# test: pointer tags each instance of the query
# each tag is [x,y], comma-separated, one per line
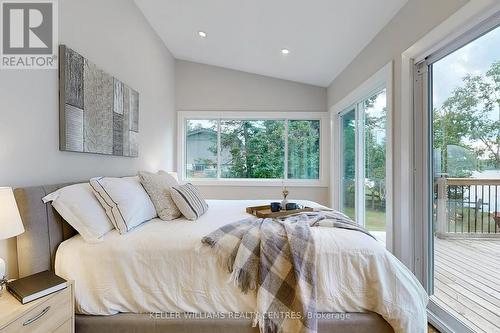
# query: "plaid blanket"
[277,258]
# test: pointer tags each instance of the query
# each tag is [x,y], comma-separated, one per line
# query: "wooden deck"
[467,281]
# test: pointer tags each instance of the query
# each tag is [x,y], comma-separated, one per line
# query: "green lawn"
[468,220]
[375,220]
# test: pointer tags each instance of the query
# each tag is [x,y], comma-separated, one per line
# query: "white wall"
[413,21]
[206,88]
[114,35]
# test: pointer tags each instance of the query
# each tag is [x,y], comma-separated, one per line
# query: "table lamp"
[10,223]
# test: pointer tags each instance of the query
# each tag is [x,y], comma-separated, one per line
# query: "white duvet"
[159,267]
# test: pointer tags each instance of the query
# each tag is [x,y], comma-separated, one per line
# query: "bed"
[172,276]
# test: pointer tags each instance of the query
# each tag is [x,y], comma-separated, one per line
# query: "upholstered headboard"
[44,228]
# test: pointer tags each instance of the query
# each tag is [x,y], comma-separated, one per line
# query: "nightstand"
[52,313]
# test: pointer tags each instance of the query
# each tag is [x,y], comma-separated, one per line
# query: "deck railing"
[467,206]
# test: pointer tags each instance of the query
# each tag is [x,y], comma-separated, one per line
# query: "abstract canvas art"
[97,112]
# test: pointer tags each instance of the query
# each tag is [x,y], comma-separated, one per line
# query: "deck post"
[442,207]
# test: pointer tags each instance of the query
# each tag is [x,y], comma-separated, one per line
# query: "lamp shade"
[10,221]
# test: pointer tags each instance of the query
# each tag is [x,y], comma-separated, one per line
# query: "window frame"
[322,117]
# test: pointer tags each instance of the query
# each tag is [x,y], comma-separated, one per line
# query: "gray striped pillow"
[189,201]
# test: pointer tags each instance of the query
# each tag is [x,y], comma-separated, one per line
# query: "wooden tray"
[265,211]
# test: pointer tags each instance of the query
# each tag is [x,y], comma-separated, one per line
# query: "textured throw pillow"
[189,201]
[158,187]
[79,207]
[125,201]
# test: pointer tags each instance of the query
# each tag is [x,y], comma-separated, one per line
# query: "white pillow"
[171,173]
[78,205]
[125,201]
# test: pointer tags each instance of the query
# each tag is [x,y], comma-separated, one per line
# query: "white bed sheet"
[159,267]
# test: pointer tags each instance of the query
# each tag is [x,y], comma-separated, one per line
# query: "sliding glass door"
[458,98]
[363,130]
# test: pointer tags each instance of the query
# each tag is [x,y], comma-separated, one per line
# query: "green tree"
[375,152]
[470,115]
[255,148]
[303,149]
[349,160]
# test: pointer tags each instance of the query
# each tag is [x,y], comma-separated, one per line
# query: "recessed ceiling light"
[285,51]
[202,34]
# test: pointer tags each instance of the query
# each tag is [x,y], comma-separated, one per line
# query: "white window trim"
[323,117]
[381,79]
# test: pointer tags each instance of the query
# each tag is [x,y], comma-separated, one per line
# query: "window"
[236,148]
[348,133]
[363,136]
[361,185]
[252,148]
[303,149]
[375,118]
[201,148]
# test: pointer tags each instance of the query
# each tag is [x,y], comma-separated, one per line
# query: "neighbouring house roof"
[201,131]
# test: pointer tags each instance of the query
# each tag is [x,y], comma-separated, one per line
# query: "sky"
[474,58]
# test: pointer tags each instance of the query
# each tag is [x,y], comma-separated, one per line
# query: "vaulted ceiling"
[322,36]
